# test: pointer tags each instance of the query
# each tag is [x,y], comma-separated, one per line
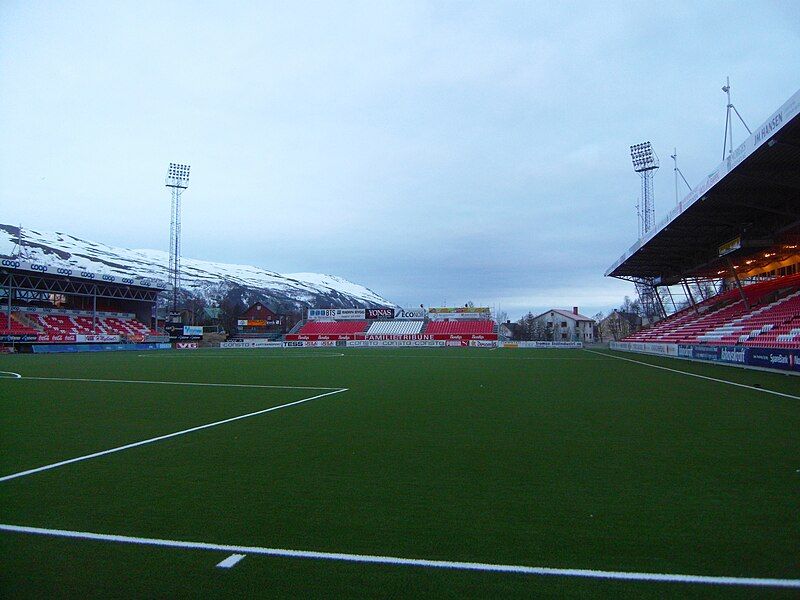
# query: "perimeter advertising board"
[339,314]
[379,313]
[252,344]
[769,358]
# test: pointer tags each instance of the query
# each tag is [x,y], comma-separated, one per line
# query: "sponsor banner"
[69,348]
[407,336]
[26,337]
[395,344]
[6,350]
[339,314]
[410,313]
[538,344]
[731,246]
[733,354]
[482,310]
[647,348]
[459,316]
[193,330]
[706,353]
[101,338]
[465,336]
[482,344]
[43,337]
[76,272]
[252,344]
[788,360]
[256,322]
[379,313]
[770,358]
[186,346]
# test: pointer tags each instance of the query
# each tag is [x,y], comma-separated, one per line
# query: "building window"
[563,323]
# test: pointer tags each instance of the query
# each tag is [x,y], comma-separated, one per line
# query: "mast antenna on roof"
[729,120]
[674,157]
[19,251]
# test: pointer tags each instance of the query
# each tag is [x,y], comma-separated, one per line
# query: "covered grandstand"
[46,305]
[457,325]
[739,230]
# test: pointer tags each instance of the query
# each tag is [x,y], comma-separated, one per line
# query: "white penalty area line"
[412,562]
[147,382]
[741,385]
[166,436]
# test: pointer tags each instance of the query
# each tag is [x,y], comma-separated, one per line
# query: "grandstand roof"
[22,266]
[752,199]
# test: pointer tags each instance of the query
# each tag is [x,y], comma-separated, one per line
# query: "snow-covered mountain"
[210,281]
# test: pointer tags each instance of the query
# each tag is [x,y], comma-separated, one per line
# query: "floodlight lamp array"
[643,157]
[178,171]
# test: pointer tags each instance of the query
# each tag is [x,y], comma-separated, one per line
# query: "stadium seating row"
[727,320]
[66,324]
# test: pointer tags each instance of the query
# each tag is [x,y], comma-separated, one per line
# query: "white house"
[569,326]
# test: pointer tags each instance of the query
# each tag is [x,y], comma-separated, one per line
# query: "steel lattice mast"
[645,162]
[177,180]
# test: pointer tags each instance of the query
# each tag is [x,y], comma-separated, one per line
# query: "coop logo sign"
[66,272]
[87,275]
[40,268]
[14,264]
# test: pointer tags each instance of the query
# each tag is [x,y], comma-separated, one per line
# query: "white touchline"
[413,562]
[165,437]
[749,387]
[13,375]
[230,561]
[196,383]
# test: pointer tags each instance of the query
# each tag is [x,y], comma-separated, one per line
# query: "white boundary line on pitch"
[248,356]
[164,437]
[412,562]
[144,381]
[743,385]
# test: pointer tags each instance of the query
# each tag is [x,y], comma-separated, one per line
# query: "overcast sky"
[434,152]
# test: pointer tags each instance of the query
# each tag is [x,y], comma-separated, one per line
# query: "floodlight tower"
[177,180]
[645,162]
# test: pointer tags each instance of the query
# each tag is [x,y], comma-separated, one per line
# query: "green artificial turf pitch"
[545,458]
